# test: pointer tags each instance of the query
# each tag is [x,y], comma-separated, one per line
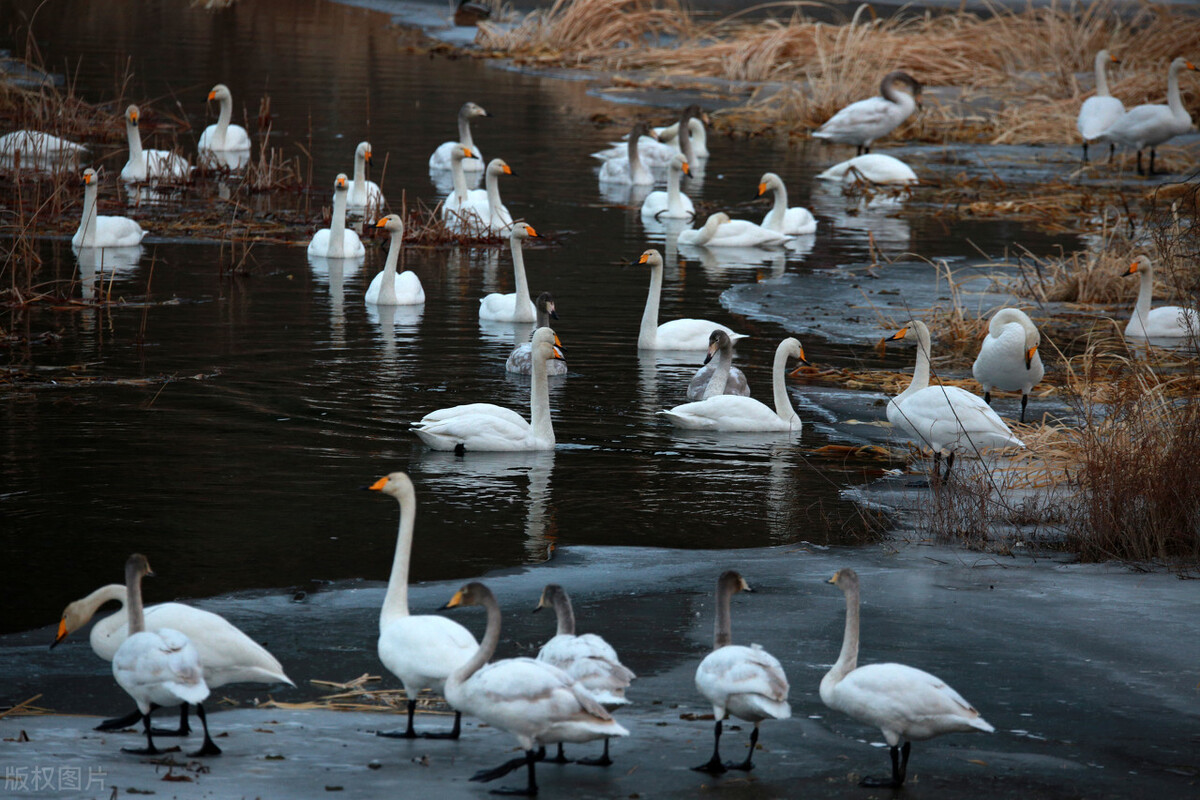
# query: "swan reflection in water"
[105,264]
[862,218]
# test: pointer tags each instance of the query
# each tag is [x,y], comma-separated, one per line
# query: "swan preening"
[671,204]
[1151,124]
[223,136]
[587,658]
[422,650]
[944,418]
[103,231]
[150,165]
[488,427]
[720,376]
[797,221]
[733,413]
[678,334]
[520,360]
[1100,110]
[1164,322]
[337,241]
[905,703]
[863,122]
[873,168]
[536,702]
[441,158]
[389,288]
[1008,359]
[747,682]
[364,197]
[721,231]
[515,306]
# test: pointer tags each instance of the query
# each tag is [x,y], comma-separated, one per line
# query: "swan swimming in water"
[721,231]
[629,170]
[103,231]
[863,122]
[520,360]
[363,196]
[678,334]
[515,306]
[795,221]
[873,167]
[150,165]
[720,376]
[1164,322]
[671,204]
[337,241]
[224,136]
[441,158]
[389,288]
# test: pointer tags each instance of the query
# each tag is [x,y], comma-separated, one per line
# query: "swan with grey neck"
[629,170]
[720,376]
[223,136]
[389,288]
[678,334]
[863,122]
[520,360]
[441,158]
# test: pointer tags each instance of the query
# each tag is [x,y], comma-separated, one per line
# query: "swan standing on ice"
[720,376]
[1150,124]
[442,155]
[514,307]
[678,334]
[224,136]
[863,122]
[363,197]
[671,204]
[520,360]
[150,165]
[587,658]
[388,288]
[747,682]
[1100,110]
[944,418]
[1164,322]
[629,170]
[1008,359]
[422,650]
[337,241]
[464,210]
[874,167]
[797,221]
[721,231]
[905,703]
[103,231]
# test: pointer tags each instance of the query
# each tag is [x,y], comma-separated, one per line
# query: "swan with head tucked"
[671,204]
[103,231]
[157,668]
[37,150]
[363,196]
[520,360]
[944,418]
[465,210]
[389,288]
[720,376]
[797,221]
[487,427]
[746,682]
[224,136]
[1008,359]
[515,306]
[150,165]
[863,122]
[678,334]
[1100,110]
[441,158]
[337,241]
[535,701]
[721,231]
[629,169]
[1151,124]
[585,657]
[1164,322]
[421,650]
[733,413]
[905,703]
[874,168]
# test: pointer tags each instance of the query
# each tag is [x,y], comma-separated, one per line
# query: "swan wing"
[729,413]
[483,432]
[947,417]
[690,334]
[1001,362]
[736,383]
[422,651]
[1097,114]
[905,702]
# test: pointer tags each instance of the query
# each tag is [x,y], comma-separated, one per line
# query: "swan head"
[131,115]
[546,345]
[651,257]
[397,484]
[899,76]
[473,594]
[471,110]
[918,330]
[792,347]
[1104,55]
[694,111]
[220,92]
[717,340]
[1141,265]
[732,582]
[522,231]
[680,164]
[550,594]
[845,579]
[769,182]
[497,166]
[137,566]
[392,223]
[545,302]
[341,183]
[642,128]
[1181,63]
[363,151]
[1007,316]
[90,176]
[460,152]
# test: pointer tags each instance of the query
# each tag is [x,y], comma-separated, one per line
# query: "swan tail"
[980,724]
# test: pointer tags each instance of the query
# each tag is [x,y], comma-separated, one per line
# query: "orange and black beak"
[1131,270]
[378,485]
[687,170]
[762,189]
[897,336]
[531,232]
[62,633]
[212,95]
[643,258]
[803,361]
[1029,354]
[455,601]
[508,170]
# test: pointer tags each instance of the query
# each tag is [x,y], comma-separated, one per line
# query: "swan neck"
[674,198]
[539,399]
[521,282]
[565,615]
[921,370]
[685,139]
[781,202]
[395,603]
[1173,91]
[460,180]
[492,181]
[223,119]
[1101,74]
[783,405]
[720,378]
[87,224]
[848,658]
[360,173]
[88,606]
[135,140]
[1145,294]
[464,130]
[387,289]
[722,628]
[635,159]
[487,645]
[648,336]
[337,226]
[133,603]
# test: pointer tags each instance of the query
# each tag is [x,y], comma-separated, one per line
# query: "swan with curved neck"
[487,427]
[441,158]
[745,682]
[720,376]
[797,221]
[905,703]
[671,204]
[421,650]
[1151,124]
[721,231]
[515,306]
[363,196]
[863,122]
[389,288]
[337,241]
[678,334]
[520,360]
[629,170]
[499,221]
[1101,110]
[944,418]
[103,231]
[146,164]
[1164,322]
[1008,359]
[696,132]
[224,136]
[733,413]
[873,168]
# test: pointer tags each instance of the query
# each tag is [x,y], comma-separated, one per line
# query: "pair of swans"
[873,168]
[1101,110]
[337,241]
[147,164]
[671,204]
[364,197]
[863,122]
[441,159]
[678,334]
[96,230]
[944,418]
[1164,322]
[488,427]
[476,211]
[733,413]
[1008,359]
[1151,124]
[389,288]
[224,136]
[520,360]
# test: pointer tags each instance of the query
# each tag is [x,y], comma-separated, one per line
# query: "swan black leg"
[937,464]
[530,789]
[209,748]
[949,465]
[184,728]
[747,765]
[714,765]
[898,771]
[454,732]
[602,761]
[408,733]
[561,758]
[1112,151]
[1024,402]
[1085,158]
[987,397]
[1151,172]
[118,723]
[1139,166]
[149,749]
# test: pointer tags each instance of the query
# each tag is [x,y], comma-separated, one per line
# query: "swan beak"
[531,232]
[62,633]
[87,180]
[553,315]
[341,183]
[367,156]
[712,351]
[1113,59]
[762,189]
[455,601]
[643,258]
[745,587]
[508,170]
[1190,65]
[897,336]
[558,356]
[687,170]
[133,117]
[833,580]
[212,95]
[382,224]
[1132,269]
[467,153]
[1029,354]
[557,343]
[378,485]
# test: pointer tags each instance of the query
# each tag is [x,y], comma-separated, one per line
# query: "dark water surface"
[244,473]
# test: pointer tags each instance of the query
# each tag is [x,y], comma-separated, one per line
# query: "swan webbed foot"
[397,734]
[143,751]
[209,748]
[746,765]
[485,775]
[120,723]
[530,789]
[899,770]
[879,783]
[602,761]
[441,735]
[184,728]
[712,767]
[560,758]
[459,449]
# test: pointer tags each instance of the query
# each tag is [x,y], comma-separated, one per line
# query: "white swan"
[103,231]
[696,131]
[464,210]
[536,702]
[388,288]
[905,703]
[27,149]
[629,170]
[1008,359]
[157,668]
[671,204]
[224,136]
[1151,124]
[516,306]
[658,146]
[797,221]
[499,221]
[1164,322]
[585,657]
[863,122]
[747,682]
[944,418]
[720,376]
[488,427]
[520,360]
[721,231]
[874,167]
[364,196]
[678,334]
[337,241]
[733,413]
[423,650]
[441,158]
[150,165]
[1100,110]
